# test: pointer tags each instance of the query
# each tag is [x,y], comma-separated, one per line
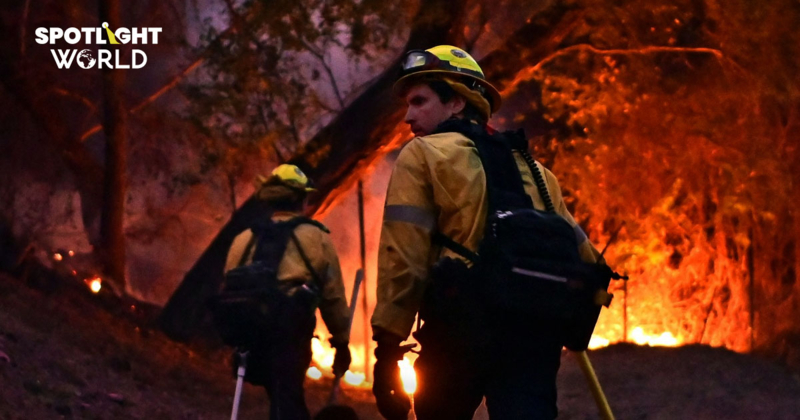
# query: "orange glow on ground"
[314,373]
[322,362]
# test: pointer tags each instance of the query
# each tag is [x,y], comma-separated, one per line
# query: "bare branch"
[293,127]
[84,100]
[164,89]
[527,73]
[327,68]
[482,21]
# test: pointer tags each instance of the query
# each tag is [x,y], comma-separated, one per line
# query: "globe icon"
[85,59]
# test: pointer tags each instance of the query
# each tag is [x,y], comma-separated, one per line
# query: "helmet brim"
[404,82]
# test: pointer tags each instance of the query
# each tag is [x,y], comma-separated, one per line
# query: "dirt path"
[63,356]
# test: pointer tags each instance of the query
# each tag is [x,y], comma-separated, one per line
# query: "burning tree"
[633,108]
[672,122]
[686,138]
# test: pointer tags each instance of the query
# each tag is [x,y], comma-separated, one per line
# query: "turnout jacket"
[319,249]
[438,184]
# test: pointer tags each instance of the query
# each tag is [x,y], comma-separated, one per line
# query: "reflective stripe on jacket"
[438,183]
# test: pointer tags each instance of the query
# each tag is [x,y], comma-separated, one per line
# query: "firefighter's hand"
[387,386]
[342,359]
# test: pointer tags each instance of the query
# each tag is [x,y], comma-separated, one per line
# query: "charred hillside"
[64,356]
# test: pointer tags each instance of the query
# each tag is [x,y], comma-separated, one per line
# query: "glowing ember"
[314,373]
[354,379]
[408,376]
[94,283]
[666,339]
[58,257]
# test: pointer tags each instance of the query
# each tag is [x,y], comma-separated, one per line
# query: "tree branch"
[483,18]
[170,85]
[68,93]
[150,99]
[527,73]
[328,70]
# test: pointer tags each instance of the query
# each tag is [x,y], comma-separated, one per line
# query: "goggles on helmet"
[421,60]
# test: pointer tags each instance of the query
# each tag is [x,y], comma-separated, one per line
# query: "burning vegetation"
[673,127]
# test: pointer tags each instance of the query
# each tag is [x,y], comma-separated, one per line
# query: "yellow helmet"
[289,175]
[447,60]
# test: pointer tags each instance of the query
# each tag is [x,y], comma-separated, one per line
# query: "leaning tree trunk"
[356,134]
[354,128]
[114,124]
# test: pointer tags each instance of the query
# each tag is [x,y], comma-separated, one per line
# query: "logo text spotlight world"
[104,58]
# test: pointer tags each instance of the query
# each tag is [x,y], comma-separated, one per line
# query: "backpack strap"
[272,238]
[503,180]
[504,185]
[306,260]
[247,249]
[294,223]
[538,179]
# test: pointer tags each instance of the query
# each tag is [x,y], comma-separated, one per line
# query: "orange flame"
[666,339]
[408,375]
[355,379]
[639,337]
[322,360]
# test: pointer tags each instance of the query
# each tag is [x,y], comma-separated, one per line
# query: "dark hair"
[281,197]
[446,94]
[290,206]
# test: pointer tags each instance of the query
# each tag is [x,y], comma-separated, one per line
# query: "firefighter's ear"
[457,104]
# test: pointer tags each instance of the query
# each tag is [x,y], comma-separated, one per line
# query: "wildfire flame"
[666,339]
[322,360]
[597,342]
[639,337]
[354,379]
[408,376]
[95,283]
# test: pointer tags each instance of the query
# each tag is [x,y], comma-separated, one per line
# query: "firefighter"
[281,366]
[438,186]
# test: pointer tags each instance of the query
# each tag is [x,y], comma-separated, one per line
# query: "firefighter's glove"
[393,403]
[342,359]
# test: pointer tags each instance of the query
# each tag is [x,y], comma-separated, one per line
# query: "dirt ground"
[66,355]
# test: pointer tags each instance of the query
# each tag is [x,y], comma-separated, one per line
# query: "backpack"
[252,304]
[528,263]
